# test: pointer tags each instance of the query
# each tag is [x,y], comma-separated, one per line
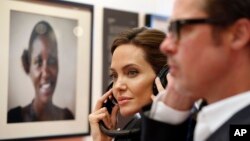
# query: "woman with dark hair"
[136,61]
[40,62]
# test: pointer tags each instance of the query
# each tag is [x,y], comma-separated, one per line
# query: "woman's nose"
[45,70]
[120,85]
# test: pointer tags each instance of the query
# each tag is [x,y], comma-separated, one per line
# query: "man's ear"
[26,61]
[241,33]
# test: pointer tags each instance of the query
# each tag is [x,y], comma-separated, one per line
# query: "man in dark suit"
[208,49]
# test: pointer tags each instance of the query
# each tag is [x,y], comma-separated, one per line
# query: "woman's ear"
[241,33]
[26,61]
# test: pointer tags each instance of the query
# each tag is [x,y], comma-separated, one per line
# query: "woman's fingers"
[94,119]
[158,84]
[114,113]
[107,121]
[102,100]
[98,115]
[101,114]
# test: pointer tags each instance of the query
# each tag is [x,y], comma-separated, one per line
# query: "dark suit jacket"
[159,131]
[222,133]
[153,130]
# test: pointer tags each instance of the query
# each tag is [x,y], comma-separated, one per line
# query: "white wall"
[159,7]
[162,7]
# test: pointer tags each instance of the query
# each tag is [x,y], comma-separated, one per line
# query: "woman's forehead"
[128,54]
[42,43]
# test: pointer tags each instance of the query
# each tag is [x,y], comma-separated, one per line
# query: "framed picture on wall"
[157,22]
[45,73]
[114,22]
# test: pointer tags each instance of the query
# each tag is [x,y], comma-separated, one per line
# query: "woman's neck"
[42,110]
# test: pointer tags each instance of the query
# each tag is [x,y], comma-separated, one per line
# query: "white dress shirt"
[209,119]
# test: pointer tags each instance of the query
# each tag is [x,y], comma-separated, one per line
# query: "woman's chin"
[45,98]
[127,113]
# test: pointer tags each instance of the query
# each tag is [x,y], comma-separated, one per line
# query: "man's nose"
[168,46]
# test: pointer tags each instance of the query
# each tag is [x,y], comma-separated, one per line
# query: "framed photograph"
[157,21]
[114,22]
[45,73]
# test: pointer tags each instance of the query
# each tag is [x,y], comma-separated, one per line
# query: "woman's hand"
[159,86]
[101,113]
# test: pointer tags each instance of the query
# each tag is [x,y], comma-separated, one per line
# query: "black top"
[27,114]
[135,123]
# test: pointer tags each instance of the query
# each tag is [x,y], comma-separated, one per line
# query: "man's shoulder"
[239,118]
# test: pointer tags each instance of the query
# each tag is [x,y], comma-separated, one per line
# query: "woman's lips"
[46,88]
[123,100]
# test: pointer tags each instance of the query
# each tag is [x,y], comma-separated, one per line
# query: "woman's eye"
[113,76]
[38,62]
[132,73]
[52,61]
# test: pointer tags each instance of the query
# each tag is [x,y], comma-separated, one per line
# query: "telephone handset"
[162,75]
[110,103]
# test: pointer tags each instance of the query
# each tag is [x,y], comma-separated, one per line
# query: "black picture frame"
[156,21]
[73,25]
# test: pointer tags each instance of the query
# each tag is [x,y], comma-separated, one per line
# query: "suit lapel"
[222,133]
